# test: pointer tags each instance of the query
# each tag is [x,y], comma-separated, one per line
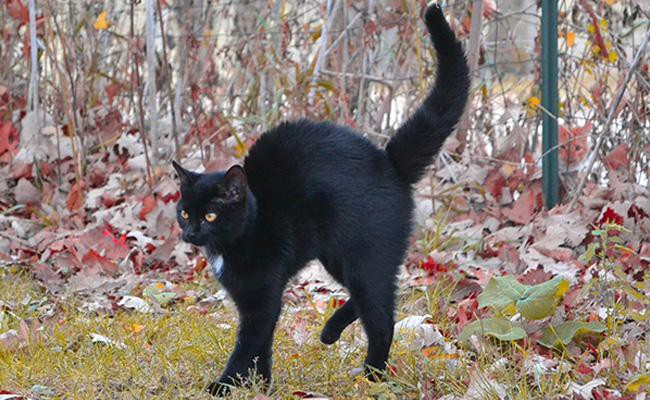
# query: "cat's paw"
[373,374]
[218,388]
[329,335]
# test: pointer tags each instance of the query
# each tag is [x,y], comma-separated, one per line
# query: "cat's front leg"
[253,349]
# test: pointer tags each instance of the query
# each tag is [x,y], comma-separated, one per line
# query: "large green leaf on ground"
[506,295]
[539,301]
[554,336]
[501,293]
[500,328]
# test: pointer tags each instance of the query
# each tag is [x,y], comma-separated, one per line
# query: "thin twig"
[33,76]
[166,67]
[322,47]
[152,99]
[473,50]
[610,118]
[136,82]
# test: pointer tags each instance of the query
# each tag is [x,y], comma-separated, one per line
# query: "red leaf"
[148,205]
[466,312]
[610,216]
[618,157]
[46,274]
[525,207]
[92,258]
[18,11]
[112,90]
[432,266]
[535,276]
[75,198]
[8,138]
[636,212]
[495,183]
[584,369]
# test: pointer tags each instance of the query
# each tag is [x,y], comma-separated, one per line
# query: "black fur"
[320,191]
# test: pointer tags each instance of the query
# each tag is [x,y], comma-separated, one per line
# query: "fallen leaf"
[75,198]
[585,391]
[500,328]
[483,387]
[610,216]
[524,209]
[101,339]
[563,334]
[417,332]
[618,158]
[505,294]
[148,205]
[135,303]
[8,138]
[93,258]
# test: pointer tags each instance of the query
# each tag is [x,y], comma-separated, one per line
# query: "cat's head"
[214,207]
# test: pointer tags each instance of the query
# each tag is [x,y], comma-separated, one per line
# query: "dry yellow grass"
[173,356]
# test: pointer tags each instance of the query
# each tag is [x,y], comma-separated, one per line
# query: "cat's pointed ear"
[234,184]
[187,177]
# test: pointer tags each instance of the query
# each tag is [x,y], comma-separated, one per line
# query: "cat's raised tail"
[415,143]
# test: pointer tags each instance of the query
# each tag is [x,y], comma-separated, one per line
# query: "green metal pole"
[550,177]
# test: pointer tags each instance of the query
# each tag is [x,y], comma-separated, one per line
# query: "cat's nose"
[190,237]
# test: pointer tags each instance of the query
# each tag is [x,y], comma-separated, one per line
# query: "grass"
[174,355]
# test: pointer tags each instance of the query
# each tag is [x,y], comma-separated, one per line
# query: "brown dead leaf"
[526,206]
[76,196]
[94,259]
[46,274]
[618,158]
[89,278]
[26,193]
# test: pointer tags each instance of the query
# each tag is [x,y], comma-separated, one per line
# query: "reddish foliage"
[18,11]
[466,312]
[94,259]
[526,206]
[432,266]
[494,183]
[618,158]
[535,276]
[8,138]
[610,216]
[635,212]
[148,205]
[76,196]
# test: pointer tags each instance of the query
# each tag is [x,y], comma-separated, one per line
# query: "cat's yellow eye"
[184,214]
[210,217]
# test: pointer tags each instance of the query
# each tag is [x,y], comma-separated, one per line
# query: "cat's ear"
[187,177]
[234,184]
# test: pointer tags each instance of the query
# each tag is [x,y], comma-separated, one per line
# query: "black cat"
[320,191]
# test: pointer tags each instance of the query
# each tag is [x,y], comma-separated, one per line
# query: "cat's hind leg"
[374,299]
[341,318]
